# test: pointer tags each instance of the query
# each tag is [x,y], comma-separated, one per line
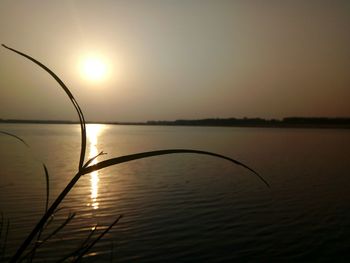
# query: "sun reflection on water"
[93,131]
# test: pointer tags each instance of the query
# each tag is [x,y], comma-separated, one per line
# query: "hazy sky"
[177,59]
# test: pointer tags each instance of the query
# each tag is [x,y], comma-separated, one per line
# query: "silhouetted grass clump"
[36,238]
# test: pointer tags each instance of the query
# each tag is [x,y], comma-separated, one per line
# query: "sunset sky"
[166,60]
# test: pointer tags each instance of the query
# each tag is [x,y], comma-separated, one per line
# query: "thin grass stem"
[87,168]
[3,249]
[97,239]
[46,207]
[81,247]
[38,244]
[71,97]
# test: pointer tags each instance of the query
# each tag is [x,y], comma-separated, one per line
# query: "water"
[184,208]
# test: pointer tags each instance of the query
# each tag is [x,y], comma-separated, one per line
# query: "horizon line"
[286,122]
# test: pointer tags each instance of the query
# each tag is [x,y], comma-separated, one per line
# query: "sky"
[168,59]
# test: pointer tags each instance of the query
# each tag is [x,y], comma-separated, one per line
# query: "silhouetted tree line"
[321,120]
[289,121]
[243,122]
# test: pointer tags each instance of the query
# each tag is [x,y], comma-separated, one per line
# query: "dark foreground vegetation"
[38,237]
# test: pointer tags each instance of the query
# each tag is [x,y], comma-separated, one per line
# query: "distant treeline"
[38,121]
[302,122]
[259,122]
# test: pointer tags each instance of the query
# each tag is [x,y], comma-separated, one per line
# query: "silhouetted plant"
[25,252]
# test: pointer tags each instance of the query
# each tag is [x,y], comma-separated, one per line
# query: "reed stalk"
[88,167]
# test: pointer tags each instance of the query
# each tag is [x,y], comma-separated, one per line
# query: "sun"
[93,68]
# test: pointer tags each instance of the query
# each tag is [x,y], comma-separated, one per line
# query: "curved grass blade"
[107,163]
[47,179]
[128,158]
[16,137]
[93,158]
[71,97]
[47,187]
[84,169]
[44,166]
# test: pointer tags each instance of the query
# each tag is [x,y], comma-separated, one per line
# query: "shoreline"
[267,124]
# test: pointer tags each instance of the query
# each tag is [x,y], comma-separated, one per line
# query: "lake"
[183,207]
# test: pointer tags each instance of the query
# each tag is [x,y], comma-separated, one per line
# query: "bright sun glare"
[94,68]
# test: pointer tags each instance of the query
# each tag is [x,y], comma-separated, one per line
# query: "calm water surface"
[184,208]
